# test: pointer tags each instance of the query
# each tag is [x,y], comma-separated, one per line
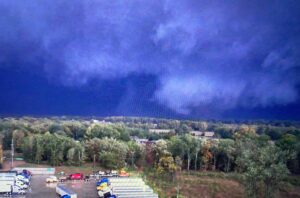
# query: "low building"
[142,140]
[196,133]
[203,134]
[161,131]
[209,134]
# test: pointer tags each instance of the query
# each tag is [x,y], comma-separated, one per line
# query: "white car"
[101,173]
[114,173]
[51,179]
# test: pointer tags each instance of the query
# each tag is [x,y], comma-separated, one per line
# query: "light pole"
[12,153]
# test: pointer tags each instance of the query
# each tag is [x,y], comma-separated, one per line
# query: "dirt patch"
[7,164]
[193,186]
[85,169]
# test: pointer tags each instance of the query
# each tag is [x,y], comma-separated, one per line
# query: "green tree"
[189,148]
[261,162]
[176,146]
[227,146]
[134,152]
[160,149]
[166,165]
[112,153]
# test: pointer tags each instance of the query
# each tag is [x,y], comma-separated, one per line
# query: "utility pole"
[94,160]
[12,153]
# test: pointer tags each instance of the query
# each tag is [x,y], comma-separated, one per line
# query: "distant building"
[203,134]
[209,134]
[142,140]
[1,155]
[160,131]
[197,133]
[94,121]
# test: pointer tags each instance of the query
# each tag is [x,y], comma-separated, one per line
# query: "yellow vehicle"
[102,186]
[123,173]
[106,192]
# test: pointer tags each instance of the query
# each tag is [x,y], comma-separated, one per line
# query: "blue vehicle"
[66,196]
[27,176]
[64,192]
[103,180]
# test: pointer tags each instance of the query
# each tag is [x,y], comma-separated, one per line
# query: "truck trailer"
[5,188]
[62,191]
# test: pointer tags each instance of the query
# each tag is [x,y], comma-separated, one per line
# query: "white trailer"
[7,182]
[18,190]
[5,188]
[62,190]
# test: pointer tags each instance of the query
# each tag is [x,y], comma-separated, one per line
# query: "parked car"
[114,173]
[94,176]
[76,176]
[63,178]
[101,173]
[123,173]
[87,178]
[51,179]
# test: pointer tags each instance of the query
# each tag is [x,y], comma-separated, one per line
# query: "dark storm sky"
[183,59]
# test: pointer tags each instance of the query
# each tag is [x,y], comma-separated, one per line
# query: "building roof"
[209,134]
[160,130]
[203,133]
[196,133]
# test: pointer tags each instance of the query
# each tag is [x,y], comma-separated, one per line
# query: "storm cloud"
[203,53]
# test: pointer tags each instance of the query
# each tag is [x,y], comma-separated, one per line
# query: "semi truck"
[8,188]
[9,183]
[63,192]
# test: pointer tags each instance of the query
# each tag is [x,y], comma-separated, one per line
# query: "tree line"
[262,158]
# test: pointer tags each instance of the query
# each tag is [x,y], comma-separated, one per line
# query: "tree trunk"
[215,162]
[189,161]
[196,159]
[228,164]
[132,159]
[94,161]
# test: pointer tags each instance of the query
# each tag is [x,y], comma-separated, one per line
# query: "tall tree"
[261,162]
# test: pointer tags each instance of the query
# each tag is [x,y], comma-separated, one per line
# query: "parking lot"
[40,189]
[123,187]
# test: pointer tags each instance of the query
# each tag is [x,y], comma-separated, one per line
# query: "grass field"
[211,185]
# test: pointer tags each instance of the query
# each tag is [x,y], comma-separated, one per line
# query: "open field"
[211,185]
[188,186]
